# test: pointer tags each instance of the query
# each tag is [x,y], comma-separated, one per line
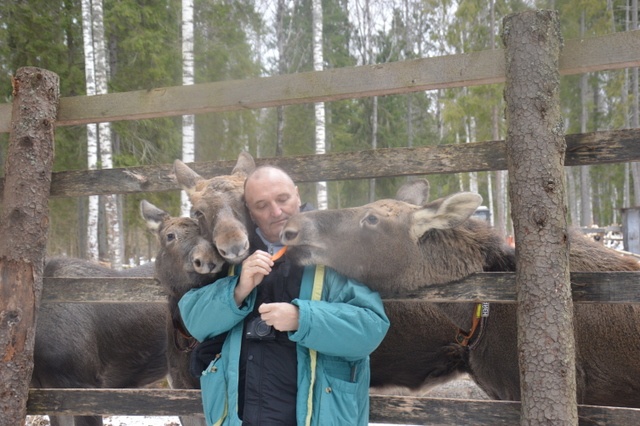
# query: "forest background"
[240,39]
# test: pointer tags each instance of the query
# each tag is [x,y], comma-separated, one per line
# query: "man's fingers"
[282,316]
[264,308]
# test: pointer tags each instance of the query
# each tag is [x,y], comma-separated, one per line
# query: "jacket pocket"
[204,353]
[214,392]
[338,387]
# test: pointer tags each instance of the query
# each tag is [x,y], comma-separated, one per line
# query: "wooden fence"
[610,52]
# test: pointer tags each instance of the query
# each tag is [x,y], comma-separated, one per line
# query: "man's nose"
[275,210]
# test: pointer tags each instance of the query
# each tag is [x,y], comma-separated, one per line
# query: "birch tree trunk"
[635,122]
[586,216]
[318,61]
[280,42]
[99,142]
[24,226]
[535,157]
[573,199]
[626,189]
[188,121]
[112,218]
[408,39]
[92,129]
[374,143]
[366,24]
[500,216]
[470,129]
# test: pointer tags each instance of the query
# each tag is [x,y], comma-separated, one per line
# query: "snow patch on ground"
[117,421]
[132,421]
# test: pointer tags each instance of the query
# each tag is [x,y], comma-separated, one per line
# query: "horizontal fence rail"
[614,51]
[384,408]
[617,146]
[587,287]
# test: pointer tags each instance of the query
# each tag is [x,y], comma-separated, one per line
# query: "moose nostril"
[198,263]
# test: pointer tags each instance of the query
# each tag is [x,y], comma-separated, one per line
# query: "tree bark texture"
[24,226]
[535,158]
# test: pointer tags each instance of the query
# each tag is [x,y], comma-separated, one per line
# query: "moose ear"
[185,176]
[444,213]
[245,164]
[414,192]
[152,215]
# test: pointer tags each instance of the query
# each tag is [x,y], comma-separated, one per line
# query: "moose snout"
[204,258]
[204,267]
[235,252]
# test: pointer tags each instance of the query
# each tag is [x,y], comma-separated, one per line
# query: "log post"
[535,159]
[24,226]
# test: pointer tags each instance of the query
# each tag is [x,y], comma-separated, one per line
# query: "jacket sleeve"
[211,310]
[348,322]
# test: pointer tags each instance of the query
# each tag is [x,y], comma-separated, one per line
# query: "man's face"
[271,198]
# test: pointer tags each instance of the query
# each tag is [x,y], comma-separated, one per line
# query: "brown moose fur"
[122,345]
[184,260]
[218,204]
[97,345]
[395,246]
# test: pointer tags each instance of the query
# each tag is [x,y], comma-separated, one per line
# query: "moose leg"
[179,375]
[76,421]
[88,420]
[61,420]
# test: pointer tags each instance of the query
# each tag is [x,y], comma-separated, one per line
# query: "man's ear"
[249,211]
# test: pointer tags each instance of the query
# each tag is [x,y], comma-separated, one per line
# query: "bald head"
[271,197]
[270,173]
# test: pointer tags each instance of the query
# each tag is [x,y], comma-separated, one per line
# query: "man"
[298,342]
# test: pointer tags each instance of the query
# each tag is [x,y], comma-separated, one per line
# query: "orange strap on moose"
[480,314]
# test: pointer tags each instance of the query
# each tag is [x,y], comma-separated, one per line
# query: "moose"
[398,246]
[184,260]
[103,345]
[218,205]
[414,354]
[97,345]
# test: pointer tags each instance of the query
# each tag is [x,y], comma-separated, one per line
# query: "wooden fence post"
[535,159]
[24,226]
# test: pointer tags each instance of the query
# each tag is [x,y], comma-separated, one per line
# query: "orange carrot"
[279,254]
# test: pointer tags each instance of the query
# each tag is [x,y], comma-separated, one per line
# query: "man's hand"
[254,269]
[282,316]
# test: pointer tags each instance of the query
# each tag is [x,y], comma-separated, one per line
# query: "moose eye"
[371,219]
[197,214]
[171,236]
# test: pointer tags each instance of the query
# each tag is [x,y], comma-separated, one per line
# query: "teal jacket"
[336,334]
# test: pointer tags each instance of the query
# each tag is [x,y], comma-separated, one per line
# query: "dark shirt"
[268,368]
